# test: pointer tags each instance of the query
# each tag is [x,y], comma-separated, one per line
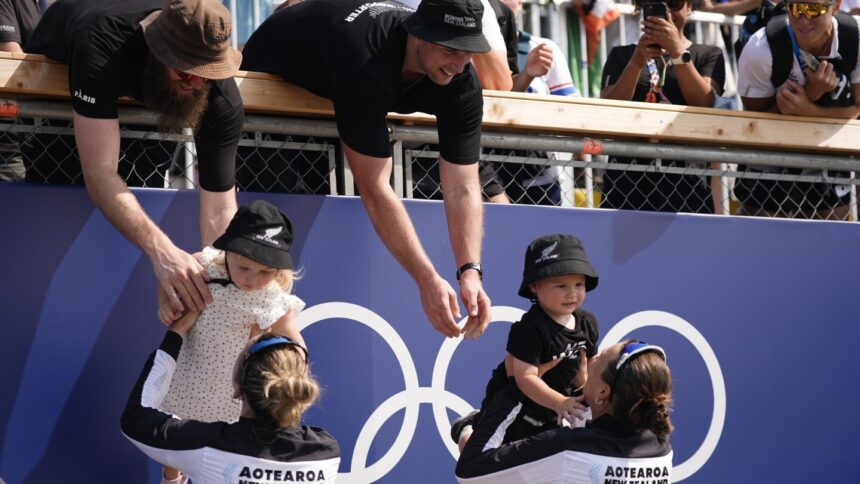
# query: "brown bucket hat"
[193,36]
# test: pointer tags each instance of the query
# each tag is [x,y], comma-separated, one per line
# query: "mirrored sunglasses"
[811,10]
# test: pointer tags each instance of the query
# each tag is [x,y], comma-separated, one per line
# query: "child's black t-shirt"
[537,339]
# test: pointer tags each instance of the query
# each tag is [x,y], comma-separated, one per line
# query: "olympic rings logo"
[410,398]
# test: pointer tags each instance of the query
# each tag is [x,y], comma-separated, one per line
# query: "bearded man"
[177,59]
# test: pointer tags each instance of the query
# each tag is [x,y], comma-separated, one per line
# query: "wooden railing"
[28,75]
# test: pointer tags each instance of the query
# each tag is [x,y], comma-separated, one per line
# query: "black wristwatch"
[685,58]
[471,266]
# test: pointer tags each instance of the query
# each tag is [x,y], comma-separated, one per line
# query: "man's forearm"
[122,209]
[463,209]
[216,211]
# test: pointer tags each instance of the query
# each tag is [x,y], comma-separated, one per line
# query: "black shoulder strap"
[780,50]
[849,38]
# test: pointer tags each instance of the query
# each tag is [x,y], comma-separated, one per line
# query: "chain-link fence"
[39,150]
[662,185]
[296,156]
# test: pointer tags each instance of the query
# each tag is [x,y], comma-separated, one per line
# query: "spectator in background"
[177,60]
[542,70]
[730,7]
[666,67]
[805,63]
[374,58]
[18,19]
[851,7]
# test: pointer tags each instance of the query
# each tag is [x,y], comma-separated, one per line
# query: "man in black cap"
[176,57]
[371,58]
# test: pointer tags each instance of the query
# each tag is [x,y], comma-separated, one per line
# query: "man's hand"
[477,304]
[791,99]
[182,279]
[539,61]
[663,32]
[644,51]
[440,305]
[820,81]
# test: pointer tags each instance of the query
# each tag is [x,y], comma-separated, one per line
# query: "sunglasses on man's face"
[811,10]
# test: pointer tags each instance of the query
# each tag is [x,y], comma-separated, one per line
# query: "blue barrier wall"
[756,316]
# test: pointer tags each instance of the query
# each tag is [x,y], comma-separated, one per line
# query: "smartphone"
[810,60]
[655,9]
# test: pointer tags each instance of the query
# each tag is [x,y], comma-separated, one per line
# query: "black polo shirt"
[18,19]
[103,43]
[352,52]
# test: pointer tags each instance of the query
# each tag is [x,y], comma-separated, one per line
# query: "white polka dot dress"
[202,386]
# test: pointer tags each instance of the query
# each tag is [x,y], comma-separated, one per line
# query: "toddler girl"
[251,277]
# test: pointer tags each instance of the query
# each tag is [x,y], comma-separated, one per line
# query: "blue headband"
[636,347]
[277,340]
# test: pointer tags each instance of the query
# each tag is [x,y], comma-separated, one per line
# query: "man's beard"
[175,111]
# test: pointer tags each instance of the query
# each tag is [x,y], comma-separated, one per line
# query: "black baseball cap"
[455,24]
[555,255]
[260,232]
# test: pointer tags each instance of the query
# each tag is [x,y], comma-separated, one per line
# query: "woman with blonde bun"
[272,379]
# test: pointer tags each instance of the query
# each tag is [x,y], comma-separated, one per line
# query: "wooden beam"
[35,76]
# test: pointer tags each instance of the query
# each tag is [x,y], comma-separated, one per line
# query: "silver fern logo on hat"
[547,254]
[268,234]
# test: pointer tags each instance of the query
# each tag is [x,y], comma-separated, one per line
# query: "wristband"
[471,266]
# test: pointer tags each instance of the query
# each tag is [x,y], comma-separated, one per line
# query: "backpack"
[756,20]
[783,55]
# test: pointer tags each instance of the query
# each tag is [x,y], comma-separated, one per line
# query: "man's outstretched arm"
[465,213]
[392,223]
[179,274]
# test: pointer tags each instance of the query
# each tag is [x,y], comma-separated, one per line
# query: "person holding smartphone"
[805,63]
[662,67]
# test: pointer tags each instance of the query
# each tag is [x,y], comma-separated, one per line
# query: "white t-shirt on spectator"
[756,64]
[490,25]
[558,80]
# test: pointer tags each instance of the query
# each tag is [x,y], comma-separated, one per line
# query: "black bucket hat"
[455,24]
[555,255]
[260,232]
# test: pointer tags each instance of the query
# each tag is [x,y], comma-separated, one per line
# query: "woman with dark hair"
[629,392]
[666,67]
[268,443]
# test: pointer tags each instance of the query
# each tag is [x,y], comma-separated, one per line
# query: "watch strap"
[685,58]
[476,266]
